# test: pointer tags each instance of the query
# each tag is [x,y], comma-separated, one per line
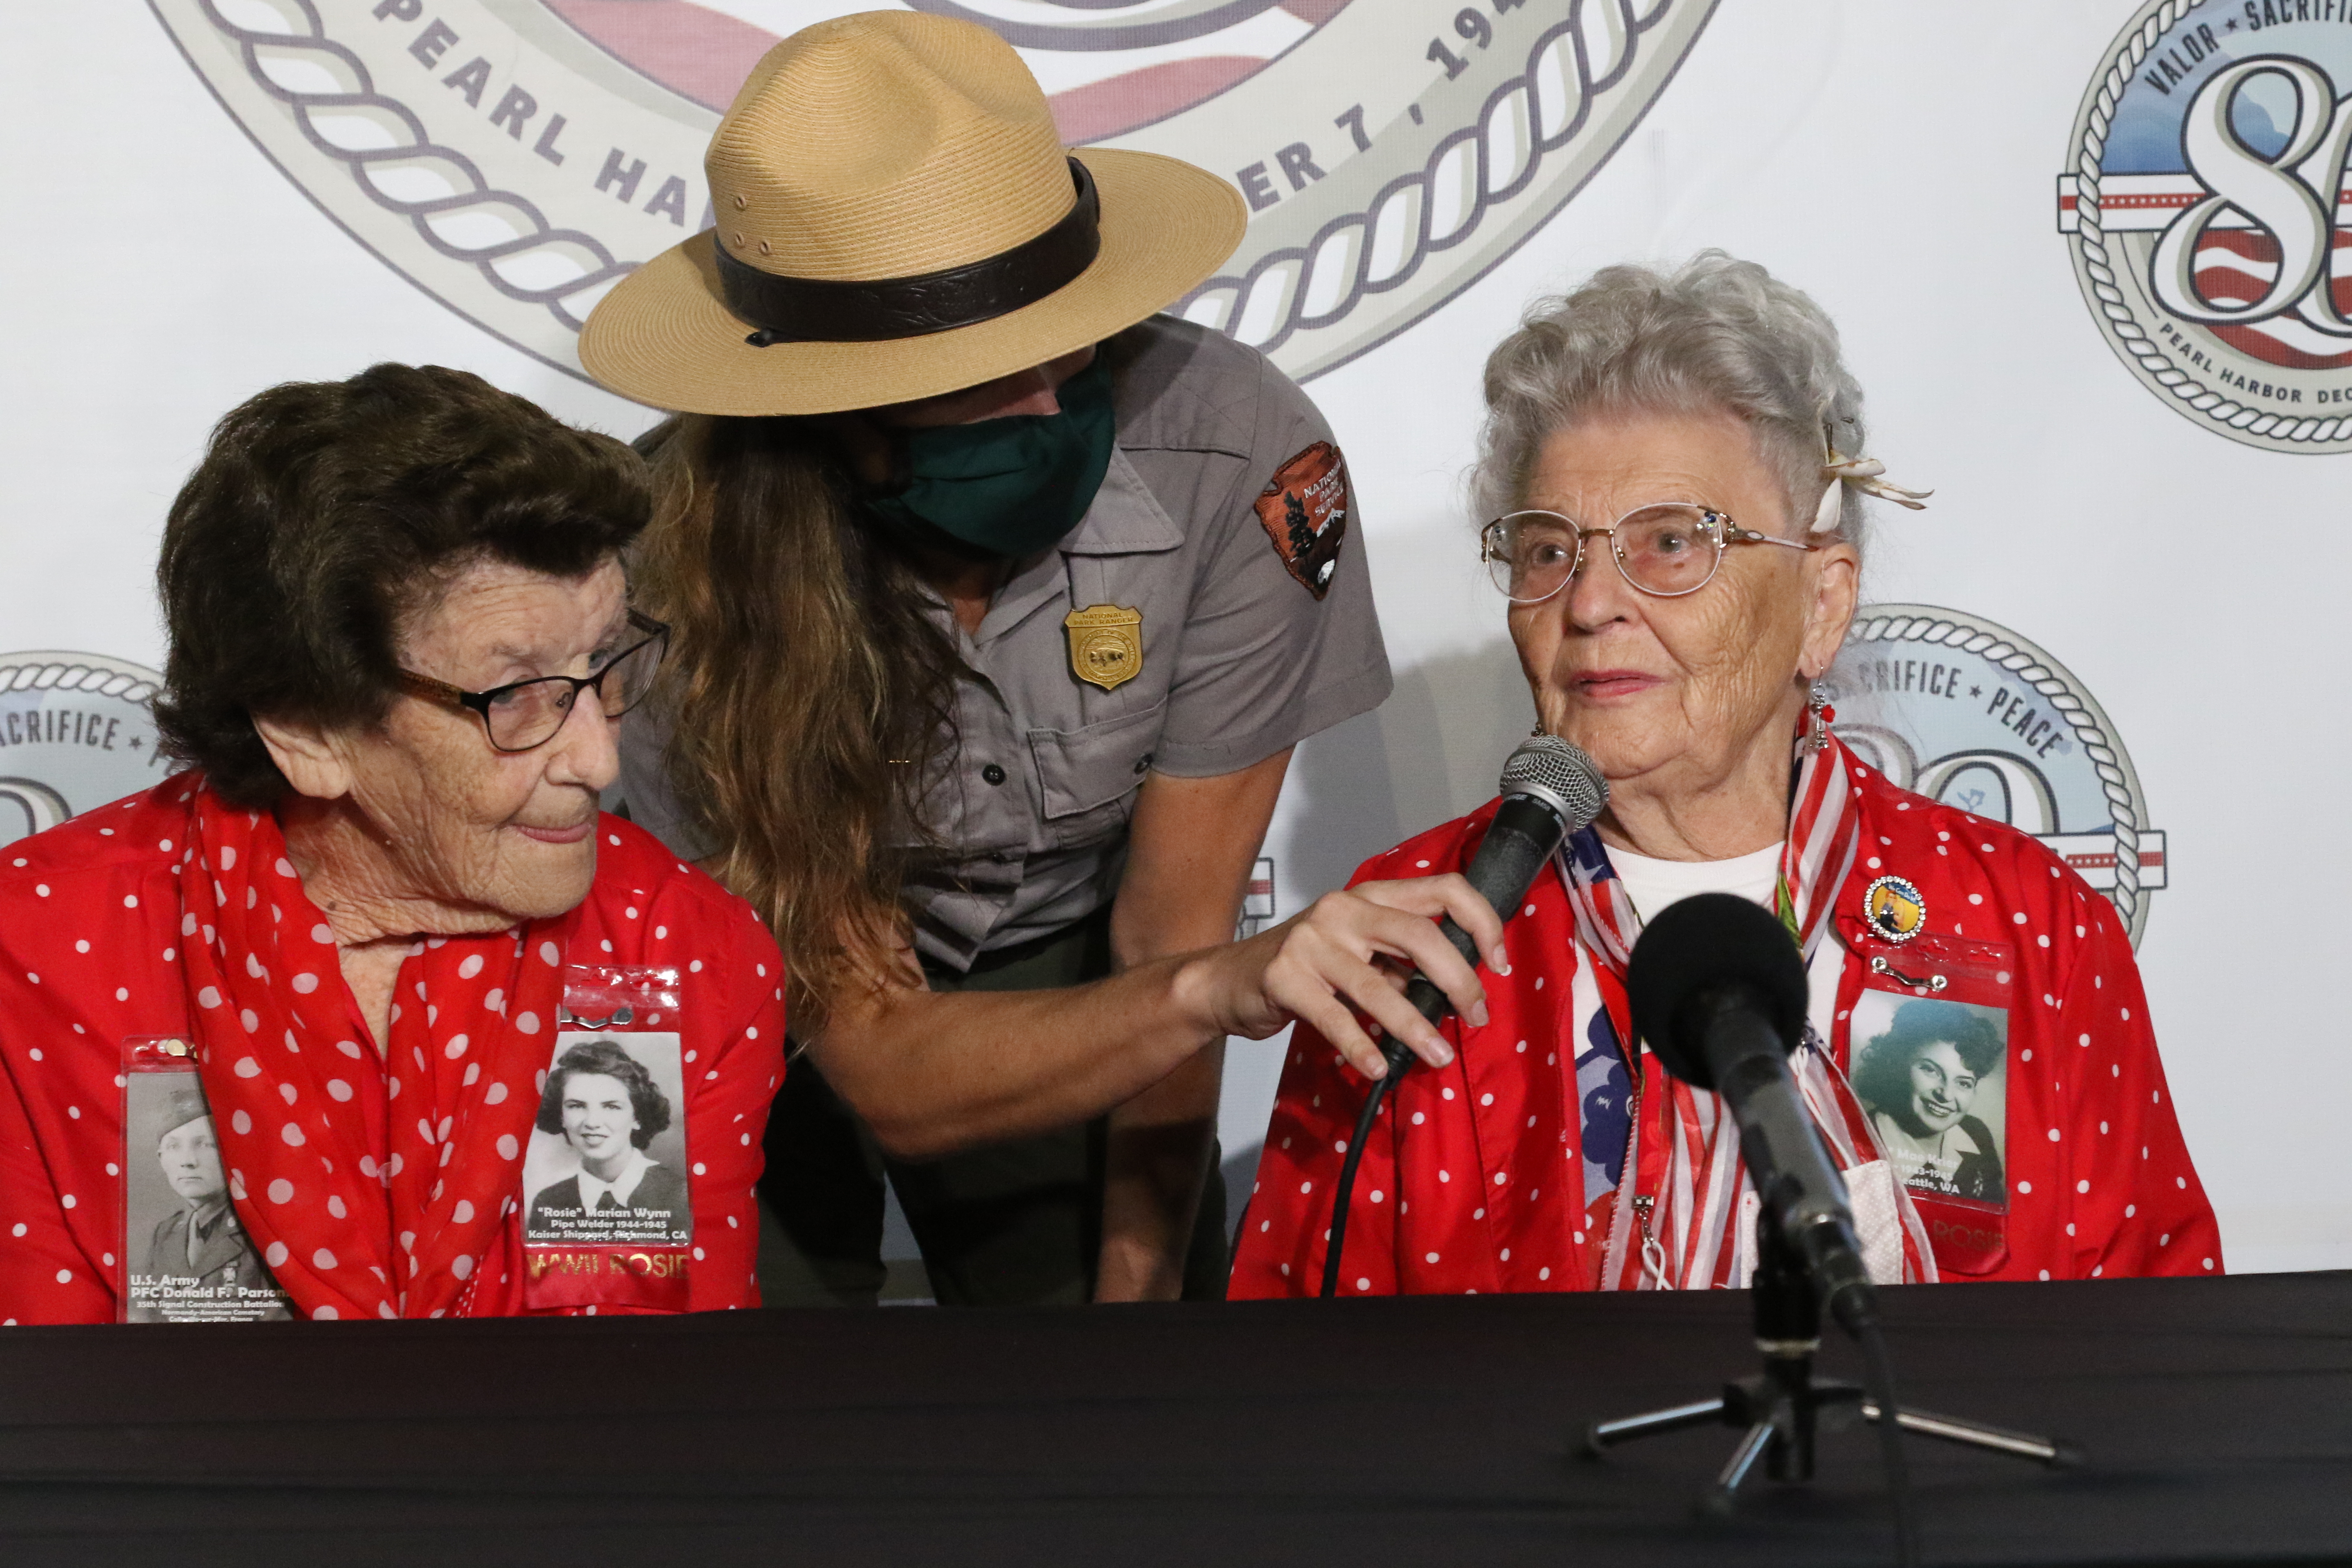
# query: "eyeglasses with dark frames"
[1667,549]
[525,714]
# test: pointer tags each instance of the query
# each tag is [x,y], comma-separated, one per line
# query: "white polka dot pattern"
[2098,1149]
[215,940]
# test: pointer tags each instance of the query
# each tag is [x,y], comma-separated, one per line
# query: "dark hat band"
[833,311]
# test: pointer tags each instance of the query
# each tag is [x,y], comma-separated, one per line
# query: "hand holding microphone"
[1550,789]
[1323,966]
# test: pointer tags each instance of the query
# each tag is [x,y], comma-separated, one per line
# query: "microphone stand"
[1780,1405]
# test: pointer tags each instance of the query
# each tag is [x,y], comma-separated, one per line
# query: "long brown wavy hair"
[812,696]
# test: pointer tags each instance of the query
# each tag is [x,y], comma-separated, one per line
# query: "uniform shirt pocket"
[1086,778]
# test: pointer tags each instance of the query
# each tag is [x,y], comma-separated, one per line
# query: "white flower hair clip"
[1862,474]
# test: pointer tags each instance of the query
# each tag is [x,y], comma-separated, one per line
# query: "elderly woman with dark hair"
[1672,467]
[1918,1081]
[400,644]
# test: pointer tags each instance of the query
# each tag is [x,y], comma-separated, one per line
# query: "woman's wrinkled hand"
[1348,955]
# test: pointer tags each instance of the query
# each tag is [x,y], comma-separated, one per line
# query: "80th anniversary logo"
[2205,194]
[1967,711]
[75,732]
[515,158]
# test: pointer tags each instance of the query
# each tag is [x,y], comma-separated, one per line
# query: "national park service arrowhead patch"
[1304,511]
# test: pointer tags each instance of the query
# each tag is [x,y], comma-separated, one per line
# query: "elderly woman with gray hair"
[1672,467]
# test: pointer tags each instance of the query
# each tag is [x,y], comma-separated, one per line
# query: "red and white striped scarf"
[1685,1210]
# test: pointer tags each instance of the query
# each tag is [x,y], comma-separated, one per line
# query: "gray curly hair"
[1717,333]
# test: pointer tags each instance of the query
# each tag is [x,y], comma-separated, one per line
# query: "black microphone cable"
[1879,1378]
[1338,1237]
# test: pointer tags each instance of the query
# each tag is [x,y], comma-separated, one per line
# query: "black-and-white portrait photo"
[607,1159]
[190,1261]
[1932,1076]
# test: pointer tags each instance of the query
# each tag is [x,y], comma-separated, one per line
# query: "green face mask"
[1008,487]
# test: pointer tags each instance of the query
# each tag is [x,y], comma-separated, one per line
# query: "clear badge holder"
[1929,1061]
[607,1221]
[185,1257]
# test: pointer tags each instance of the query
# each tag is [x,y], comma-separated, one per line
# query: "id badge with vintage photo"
[606,1217]
[1929,1062]
[185,1257]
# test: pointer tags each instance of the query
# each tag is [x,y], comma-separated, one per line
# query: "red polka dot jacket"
[97,945]
[1473,1179]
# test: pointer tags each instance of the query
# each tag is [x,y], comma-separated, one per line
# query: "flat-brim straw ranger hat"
[898,217]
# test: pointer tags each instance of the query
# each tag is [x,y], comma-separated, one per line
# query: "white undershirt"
[1654,884]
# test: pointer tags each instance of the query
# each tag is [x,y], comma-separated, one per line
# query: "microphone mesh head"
[1549,767]
[1699,945]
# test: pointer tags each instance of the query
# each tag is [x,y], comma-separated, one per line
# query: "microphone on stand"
[1719,994]
[1550,789]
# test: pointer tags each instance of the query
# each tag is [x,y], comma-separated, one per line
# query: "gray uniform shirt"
[1240,658]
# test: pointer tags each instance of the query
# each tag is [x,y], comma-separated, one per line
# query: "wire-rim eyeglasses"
[1664,549]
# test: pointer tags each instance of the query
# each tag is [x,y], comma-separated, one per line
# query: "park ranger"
[1000,600]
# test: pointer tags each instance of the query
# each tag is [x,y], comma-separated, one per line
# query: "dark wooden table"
[2217,1413]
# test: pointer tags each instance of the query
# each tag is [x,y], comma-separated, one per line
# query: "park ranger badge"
[1106,645]
[1304,511]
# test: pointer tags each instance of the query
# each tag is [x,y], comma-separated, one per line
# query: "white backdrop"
[1897,161]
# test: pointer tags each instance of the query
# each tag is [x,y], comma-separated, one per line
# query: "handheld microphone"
[1719,994]
[1550,789]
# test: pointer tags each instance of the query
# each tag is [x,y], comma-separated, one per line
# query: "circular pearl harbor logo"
[1969,713]
[2205,195]
[515,158]
[75,732]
